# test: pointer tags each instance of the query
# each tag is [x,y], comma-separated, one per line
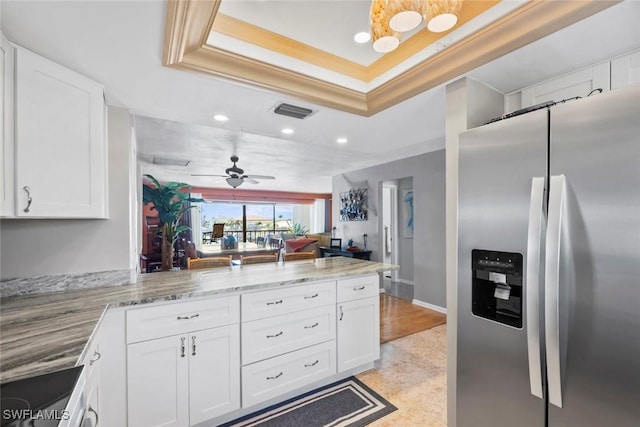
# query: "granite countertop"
[41,333]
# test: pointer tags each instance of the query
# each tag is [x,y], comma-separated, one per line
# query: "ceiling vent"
[292,111]
[170,162]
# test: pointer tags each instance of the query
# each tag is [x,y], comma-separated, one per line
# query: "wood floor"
[399,318]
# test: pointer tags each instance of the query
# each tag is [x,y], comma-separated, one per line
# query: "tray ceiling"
[286,46]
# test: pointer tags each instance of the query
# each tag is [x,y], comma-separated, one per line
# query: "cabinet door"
[571,85]
[92,365]
[158,382]
[214,372]
[625,70]
[59,141]
[6,129]
[358,332]
[92,413]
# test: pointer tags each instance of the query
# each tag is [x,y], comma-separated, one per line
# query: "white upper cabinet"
[571,85]
[625,70]
[60,143]
[6,135]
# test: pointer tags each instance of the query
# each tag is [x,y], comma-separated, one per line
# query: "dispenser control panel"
[493,259]
[497,286]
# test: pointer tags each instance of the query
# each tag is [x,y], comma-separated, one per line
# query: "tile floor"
[412,374]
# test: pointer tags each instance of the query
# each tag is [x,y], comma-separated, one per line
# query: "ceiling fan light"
[384,38]
[441,15]
[235,182]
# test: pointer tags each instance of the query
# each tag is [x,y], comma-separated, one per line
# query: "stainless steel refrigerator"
[549,267]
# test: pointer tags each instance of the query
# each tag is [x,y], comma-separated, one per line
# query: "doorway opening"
[389,228]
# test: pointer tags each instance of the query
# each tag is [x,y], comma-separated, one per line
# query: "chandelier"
[390,18]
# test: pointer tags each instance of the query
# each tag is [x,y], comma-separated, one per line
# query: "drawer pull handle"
[358,289]
[341,313]
[95,358]
[193,316]
[193,345]
[275,335]
[29,199]
[308,365]
[95,414]
[311,326]
[312,296]
[182,347]
[274,302]
[277,376]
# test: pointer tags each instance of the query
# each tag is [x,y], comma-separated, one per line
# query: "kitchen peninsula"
[221,322]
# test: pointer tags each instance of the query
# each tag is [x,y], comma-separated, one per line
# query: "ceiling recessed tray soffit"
[190,24]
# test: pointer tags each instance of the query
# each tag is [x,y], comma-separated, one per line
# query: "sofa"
[293,245]
[321,239]
[324,239]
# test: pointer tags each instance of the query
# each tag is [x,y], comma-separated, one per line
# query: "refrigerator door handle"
[534,242]
[557,197]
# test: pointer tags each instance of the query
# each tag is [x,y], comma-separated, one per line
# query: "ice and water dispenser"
[497,286]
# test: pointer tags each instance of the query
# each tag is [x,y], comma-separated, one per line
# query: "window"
[249,221]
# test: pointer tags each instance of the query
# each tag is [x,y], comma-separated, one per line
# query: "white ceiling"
[330,25]
[119,44]
[326,25]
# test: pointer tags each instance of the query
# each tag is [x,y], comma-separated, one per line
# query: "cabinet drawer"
[178,318]
[259,305]
[270,337]
[273,377]
[359,287]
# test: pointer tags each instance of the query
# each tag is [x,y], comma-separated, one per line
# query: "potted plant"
[171,202]
[299,229]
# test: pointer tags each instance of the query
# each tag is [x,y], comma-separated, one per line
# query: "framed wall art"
[353,205]
[407,213]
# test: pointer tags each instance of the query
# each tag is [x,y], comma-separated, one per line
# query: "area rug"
[348,402]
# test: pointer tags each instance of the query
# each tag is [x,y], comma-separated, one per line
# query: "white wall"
[37,247]
[469,104]
[428,173]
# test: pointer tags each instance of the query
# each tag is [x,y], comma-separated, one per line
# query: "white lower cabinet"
[91,416]
[158,383]
[214,373]
[277,335]
[184,379]
[358,332]
[272,377]
[203,373]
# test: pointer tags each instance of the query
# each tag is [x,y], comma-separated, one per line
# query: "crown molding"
[189,23]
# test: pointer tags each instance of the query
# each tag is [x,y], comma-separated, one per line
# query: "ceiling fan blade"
[207,174]
[260,176]
[249,179]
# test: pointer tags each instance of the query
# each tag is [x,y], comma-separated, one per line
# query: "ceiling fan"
[235,176]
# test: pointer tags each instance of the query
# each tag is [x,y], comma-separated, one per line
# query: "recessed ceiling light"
[220,117]
[362,37]
[342,140]
[287,131]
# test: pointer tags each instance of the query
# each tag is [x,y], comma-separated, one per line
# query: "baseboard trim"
[433,307]
[406,282]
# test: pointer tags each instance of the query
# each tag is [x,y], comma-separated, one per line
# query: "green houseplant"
[299,229]
[171,201]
